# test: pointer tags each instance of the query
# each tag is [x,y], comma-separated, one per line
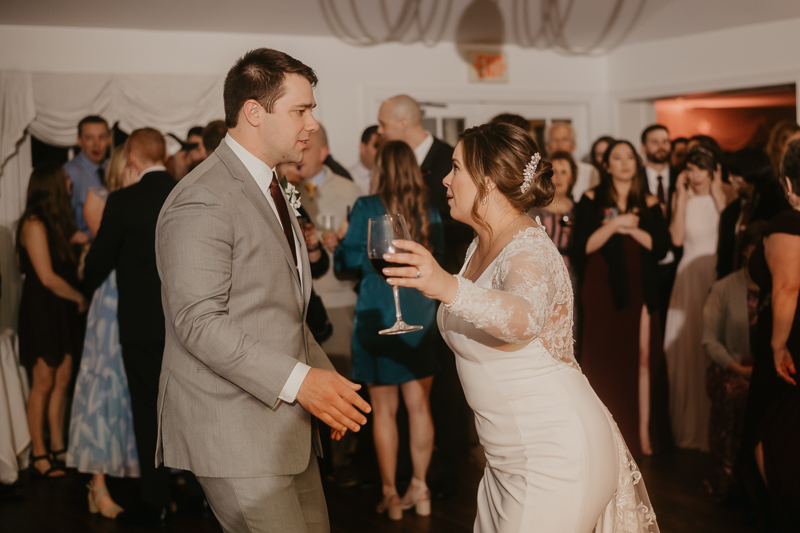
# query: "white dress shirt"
[421,151]
[154,168]
[652,182]
[262,173]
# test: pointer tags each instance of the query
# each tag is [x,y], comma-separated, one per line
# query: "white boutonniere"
[292,194]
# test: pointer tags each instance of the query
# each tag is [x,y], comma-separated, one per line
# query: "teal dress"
[388,359]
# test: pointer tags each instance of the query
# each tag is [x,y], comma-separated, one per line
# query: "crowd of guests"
[683,264]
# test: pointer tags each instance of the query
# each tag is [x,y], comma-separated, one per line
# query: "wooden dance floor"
[675,483]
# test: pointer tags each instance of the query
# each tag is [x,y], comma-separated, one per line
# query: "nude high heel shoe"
[392,505]
[417,496]
[95,493]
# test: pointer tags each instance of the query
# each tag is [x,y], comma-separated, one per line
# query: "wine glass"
[380,234]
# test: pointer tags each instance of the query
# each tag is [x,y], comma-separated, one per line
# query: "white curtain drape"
[49,107]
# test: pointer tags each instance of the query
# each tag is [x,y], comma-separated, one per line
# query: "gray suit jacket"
[235,320]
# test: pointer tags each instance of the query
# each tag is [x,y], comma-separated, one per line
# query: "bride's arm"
[514,310]
[519,303]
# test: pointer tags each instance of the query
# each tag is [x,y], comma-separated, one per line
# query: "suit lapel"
[259,201]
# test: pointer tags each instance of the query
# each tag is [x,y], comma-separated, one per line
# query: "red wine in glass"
[380,234]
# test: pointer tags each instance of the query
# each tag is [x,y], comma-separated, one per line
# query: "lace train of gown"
[556,460]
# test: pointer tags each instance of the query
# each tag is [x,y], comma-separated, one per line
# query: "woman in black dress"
[620,234]
[48,314]
[772,422]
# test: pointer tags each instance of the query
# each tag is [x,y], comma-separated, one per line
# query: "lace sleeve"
[527,294]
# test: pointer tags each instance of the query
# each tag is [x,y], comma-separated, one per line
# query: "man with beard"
[660,182]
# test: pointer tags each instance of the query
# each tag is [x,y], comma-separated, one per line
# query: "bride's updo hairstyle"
[501,152]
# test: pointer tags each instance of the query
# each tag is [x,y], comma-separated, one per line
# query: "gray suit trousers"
[271,504]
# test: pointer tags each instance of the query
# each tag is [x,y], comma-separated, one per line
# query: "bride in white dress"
[556,461]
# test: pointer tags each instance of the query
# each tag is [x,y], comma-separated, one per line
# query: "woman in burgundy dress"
[772,422]
[620,234]
[48,313]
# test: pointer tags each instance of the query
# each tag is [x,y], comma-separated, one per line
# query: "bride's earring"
[483,202]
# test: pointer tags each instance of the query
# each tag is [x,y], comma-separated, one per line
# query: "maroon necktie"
[283,213]
[660,193]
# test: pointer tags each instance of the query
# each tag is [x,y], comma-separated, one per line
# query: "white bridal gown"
[557,462]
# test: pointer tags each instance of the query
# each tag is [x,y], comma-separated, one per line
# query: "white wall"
[348,75]
[757,55]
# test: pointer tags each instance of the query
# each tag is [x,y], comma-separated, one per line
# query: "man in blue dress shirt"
[87,169]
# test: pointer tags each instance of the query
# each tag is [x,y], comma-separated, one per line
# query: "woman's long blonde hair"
[402,189]
[116,164]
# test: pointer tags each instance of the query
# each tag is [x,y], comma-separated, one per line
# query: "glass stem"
[396,293]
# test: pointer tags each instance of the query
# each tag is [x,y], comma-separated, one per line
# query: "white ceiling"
[585,24]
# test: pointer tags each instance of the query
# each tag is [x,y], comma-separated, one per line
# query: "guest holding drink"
[48,313]
[393,363]
[620,236]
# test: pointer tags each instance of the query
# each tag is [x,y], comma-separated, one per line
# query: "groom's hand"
[331,398]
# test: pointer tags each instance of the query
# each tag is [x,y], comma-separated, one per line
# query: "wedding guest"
[400,119]
[620,235]
[759,198]
[561,137]
[126,243]
[48,312]
[87,169]
[327,198]
[778,138]
[711,144]
[101,440]
[213,134]
[558,217]
[773,407]
[599,148]
[367,150]
[390,364]
[678,153]
[730,316]
[698,200]
[660,182]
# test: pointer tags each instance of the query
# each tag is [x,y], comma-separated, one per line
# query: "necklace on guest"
[491,245]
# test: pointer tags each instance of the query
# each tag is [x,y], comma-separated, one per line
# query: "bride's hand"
[422,273]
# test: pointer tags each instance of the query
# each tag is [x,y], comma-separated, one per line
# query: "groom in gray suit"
[242,375]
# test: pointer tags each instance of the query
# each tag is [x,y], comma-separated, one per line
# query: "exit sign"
[487,67]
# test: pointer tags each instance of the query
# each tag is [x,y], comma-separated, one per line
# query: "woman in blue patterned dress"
[101,439]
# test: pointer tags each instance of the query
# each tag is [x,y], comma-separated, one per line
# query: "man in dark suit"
[126,242]
[659,179]
[400,119]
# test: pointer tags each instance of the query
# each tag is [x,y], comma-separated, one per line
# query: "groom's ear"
[252,112]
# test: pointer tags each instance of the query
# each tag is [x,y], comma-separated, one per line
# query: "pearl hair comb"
[529,172]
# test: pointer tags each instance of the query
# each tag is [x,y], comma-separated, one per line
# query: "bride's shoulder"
[529,239]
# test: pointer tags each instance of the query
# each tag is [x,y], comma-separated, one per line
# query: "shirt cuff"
[292,385]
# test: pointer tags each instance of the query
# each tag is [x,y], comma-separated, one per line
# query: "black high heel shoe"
[49,473]
[61,463]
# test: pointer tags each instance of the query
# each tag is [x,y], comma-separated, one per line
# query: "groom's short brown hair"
[259,75]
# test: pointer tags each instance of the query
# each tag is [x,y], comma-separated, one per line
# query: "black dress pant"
[143,368]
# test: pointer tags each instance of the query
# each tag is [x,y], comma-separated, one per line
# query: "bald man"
[400,119]
[126,243]
[561,137]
